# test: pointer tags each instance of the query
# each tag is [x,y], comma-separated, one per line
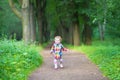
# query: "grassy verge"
[106,55]
[17,60]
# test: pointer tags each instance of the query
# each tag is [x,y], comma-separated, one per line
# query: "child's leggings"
[58,60]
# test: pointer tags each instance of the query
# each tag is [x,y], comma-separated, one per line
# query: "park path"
[76,67]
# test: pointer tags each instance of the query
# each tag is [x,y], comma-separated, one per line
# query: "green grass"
[106,55]
[18,60]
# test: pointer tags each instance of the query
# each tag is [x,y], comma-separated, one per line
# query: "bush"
[106,55]
[17,60]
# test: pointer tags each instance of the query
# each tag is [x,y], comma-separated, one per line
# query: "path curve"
[76,67]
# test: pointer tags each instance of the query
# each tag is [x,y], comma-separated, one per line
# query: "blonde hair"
[58,37]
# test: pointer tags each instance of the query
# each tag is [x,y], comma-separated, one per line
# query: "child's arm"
[64,49]
[52,49]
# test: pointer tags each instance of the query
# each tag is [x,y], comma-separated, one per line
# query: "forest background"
[88,26]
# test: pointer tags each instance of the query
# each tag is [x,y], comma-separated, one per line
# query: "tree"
[32,21]
[99,15]
[87,31]
[68,18]
[26,18]
[42,21]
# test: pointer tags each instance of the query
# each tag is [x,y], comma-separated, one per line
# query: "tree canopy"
[41,20]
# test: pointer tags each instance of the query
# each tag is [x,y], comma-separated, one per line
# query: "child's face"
[57,40]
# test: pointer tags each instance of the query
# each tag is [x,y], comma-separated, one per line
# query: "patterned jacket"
[57,49]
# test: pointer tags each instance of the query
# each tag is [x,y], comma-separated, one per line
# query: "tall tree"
[26,18]
[87,31]
[32,22]
[63,29]
[68,18]
[99,13]
[42,22]
[76,29]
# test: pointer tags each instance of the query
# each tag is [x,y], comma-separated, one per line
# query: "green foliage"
[106,55]
[9,23]
[113,18]
[51,14]
[17,60]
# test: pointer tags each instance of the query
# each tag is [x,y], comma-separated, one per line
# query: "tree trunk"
[39,21]
[70,35]
[25,21]
[40,28]
[25,17]
[76,35]
[101,31]
[87,34]
[104,25]
[65,34]
[105,14]
[45,29]
[32,24]
[87,31]
[41,4]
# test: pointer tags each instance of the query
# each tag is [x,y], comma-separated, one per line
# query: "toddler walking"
[56,51]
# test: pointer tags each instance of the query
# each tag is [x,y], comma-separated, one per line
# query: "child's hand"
[65,49]
[69,51]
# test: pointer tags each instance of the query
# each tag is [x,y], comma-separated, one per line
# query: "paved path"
[76,67]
